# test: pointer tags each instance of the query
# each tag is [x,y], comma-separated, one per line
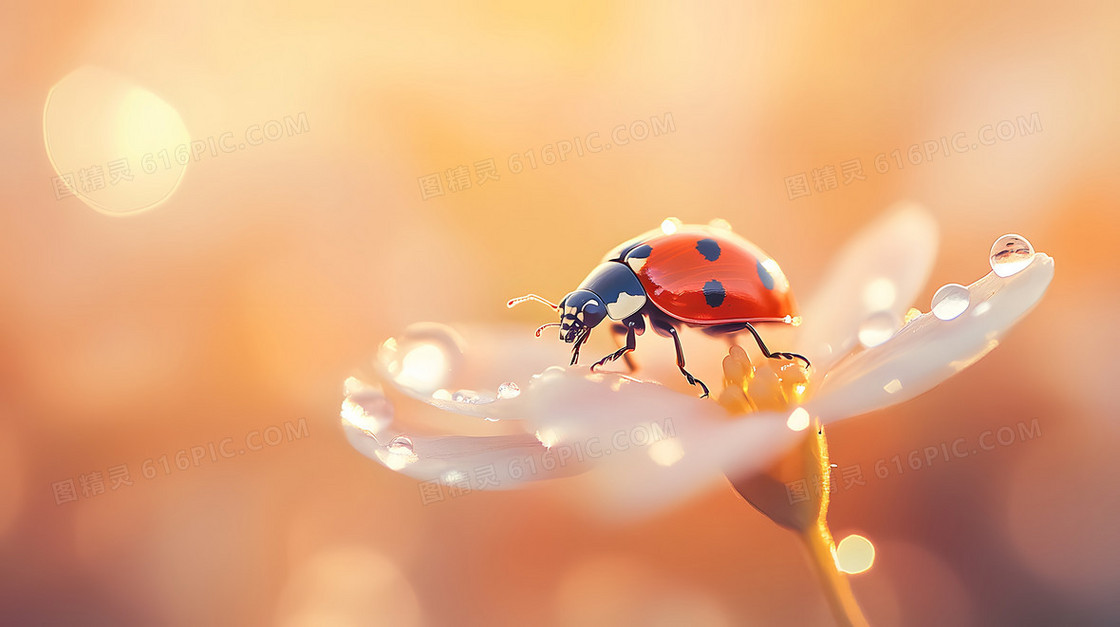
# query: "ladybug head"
[580,311]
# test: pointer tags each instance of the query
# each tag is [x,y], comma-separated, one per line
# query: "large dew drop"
[950,301]
[399,453]
[1010,254]
[400,445]
[877,328]
[508,390]
[423,358]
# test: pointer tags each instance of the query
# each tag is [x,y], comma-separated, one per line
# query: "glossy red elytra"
[700,276]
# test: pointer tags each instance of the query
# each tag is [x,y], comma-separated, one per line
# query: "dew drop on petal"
[877,328]
[551,371]
[508,390]
[981,308]
[422,365]
[423,357]
[855,554]
[402,444]
[670,226]
[950,301]
[1010,254]
[471,396]
[399,453]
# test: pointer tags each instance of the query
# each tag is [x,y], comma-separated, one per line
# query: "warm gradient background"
[272,273]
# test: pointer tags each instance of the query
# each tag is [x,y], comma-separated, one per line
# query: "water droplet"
[721,224]
[950,301]
[508,390]
[423,357]
[401,445]
[1010,254]
[399,453]
[911,315]
[549,372]
[670,226]
[877,328]
[471,396]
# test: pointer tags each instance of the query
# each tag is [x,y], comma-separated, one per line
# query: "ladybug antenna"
[545,326]
[517,301]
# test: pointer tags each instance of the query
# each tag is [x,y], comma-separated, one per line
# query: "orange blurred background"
[252,281]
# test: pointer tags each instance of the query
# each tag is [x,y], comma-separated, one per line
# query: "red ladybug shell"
[706,276]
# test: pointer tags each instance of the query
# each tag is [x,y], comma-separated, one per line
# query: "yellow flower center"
[775,384]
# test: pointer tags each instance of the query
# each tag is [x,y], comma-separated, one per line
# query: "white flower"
[635,445]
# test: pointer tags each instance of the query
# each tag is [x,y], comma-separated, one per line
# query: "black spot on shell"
[709,248]
[714,293]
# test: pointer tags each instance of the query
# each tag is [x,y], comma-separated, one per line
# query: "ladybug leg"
[628,328]
[623,352]
[577,344]
[766,351]
[680,361]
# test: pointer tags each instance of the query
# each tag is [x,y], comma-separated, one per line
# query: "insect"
[700,276]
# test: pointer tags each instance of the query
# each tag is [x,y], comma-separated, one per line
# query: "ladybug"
[700,276]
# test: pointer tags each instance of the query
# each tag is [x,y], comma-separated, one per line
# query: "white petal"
[495,462]
[573,404]
[498,462]
[929,350]
[639,483]
[652,447]
[882,269]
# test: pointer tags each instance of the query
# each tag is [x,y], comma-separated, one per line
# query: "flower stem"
[822,553]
